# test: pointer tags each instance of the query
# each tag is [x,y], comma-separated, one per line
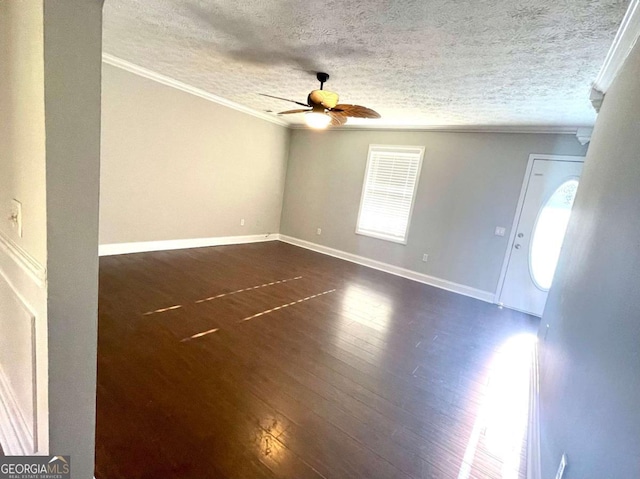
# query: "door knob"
[517,246]
[520,235]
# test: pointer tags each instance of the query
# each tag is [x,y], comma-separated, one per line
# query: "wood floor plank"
[381,377]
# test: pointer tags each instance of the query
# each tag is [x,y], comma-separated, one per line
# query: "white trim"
[519,205]
[596,97]
[165,245]
[117,62]
[523,129]
[165,80]
[533,432]
[584,135]
[14,431]
[383,236]
[26,279]
[26,262]
[623,43]
[395,270]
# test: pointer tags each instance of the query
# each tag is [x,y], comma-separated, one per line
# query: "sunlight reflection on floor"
[367,307]
[501,423]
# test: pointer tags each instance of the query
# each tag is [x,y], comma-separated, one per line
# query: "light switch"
[500,231]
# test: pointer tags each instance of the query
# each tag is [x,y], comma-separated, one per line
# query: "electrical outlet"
[242,222]
[561,467]
[15,217]
[425,257]
[319,231]
[500,231]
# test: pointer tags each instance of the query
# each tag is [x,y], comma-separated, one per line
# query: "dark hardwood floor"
[347,373]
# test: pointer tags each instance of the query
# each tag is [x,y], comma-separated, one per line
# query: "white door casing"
[538,230]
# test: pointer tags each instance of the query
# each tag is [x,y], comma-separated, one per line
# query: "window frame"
[382,236]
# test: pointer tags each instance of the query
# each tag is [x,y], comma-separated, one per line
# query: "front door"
[541,223]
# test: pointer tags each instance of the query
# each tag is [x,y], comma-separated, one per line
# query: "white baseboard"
[396,270]
[533,434]
[146,246]
[14,431]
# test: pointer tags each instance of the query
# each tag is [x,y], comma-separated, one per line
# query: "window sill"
[382,236]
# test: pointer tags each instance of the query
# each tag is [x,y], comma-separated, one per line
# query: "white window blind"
[390,185]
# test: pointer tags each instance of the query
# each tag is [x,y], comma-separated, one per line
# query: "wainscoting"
[23,353]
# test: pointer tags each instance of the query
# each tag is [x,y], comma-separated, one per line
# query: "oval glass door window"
[548,234]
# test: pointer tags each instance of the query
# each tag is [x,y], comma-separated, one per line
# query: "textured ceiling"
[417,62]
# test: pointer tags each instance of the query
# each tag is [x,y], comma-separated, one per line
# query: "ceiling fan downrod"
[322,78]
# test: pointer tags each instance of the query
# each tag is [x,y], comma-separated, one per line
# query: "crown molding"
[624,41]
[584,135]
[165,80]
[529,129]
[596,97]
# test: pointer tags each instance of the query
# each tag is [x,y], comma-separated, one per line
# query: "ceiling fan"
[322,107]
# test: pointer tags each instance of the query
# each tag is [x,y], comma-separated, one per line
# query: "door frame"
[518,213]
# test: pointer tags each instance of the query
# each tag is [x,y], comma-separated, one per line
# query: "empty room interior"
[298,239]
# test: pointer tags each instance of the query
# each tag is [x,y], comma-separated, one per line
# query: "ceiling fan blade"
[290,112]
[337,118]
[357,111]
[285,99]
[327,99]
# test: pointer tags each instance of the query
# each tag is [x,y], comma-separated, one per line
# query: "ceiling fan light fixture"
[324,108]
[316,120]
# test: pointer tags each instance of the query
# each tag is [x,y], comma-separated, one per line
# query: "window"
[390,184]
[548,234]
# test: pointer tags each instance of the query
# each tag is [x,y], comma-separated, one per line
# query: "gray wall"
[469,184]
[177,166]
[72,60]
[590,361]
